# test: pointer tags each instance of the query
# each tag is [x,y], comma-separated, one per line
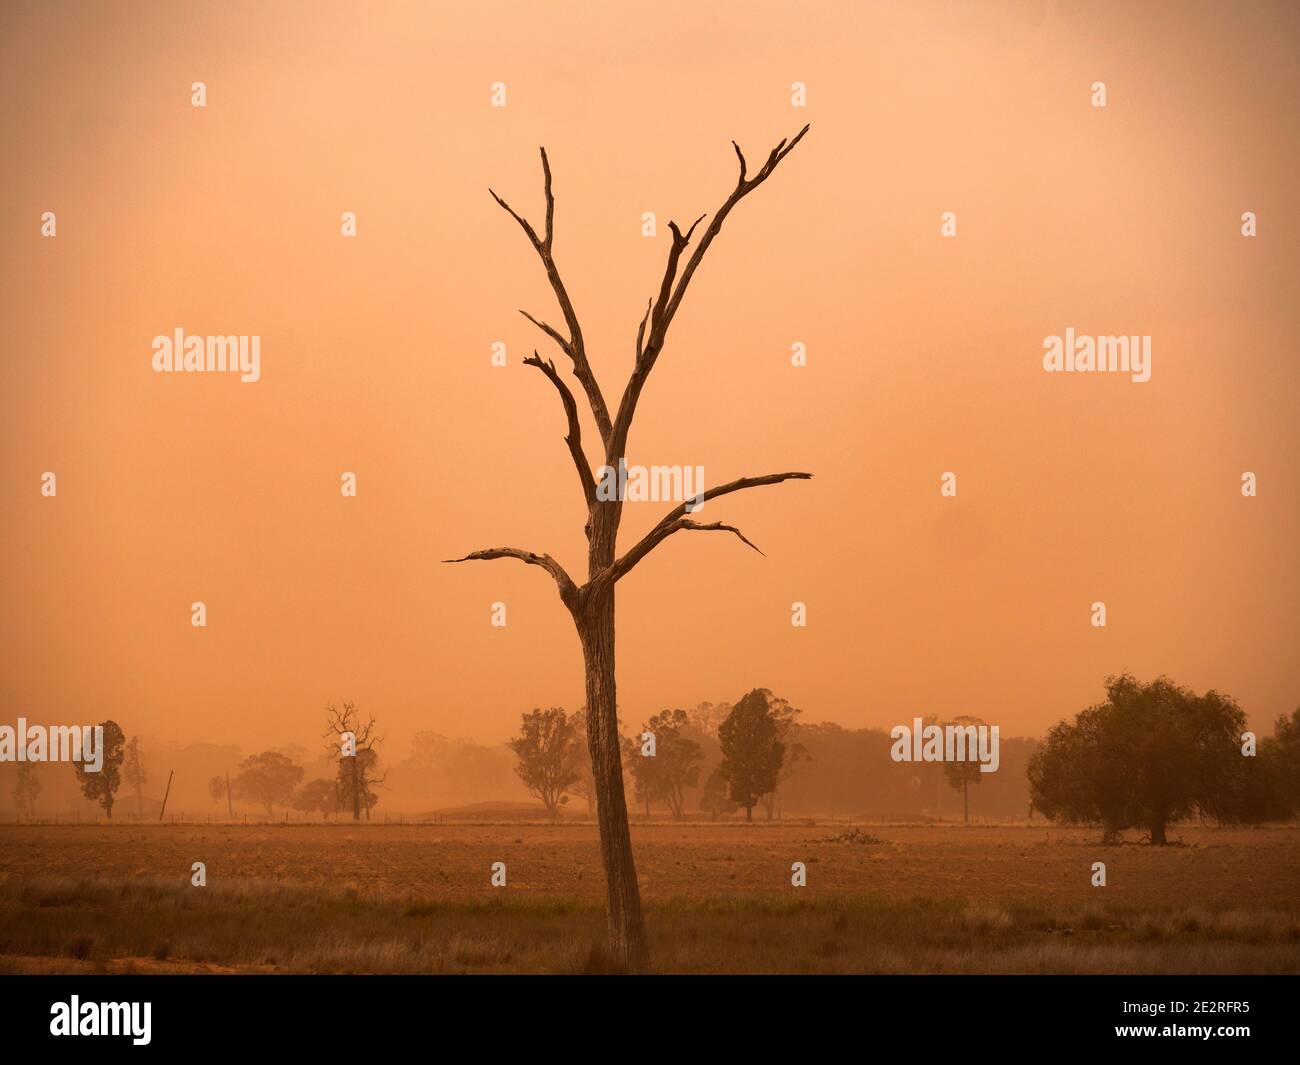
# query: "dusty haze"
[924,356]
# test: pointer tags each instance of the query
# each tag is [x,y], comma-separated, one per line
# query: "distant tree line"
[665,759]
[1146,757]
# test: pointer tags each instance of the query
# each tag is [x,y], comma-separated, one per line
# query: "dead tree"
[356,748]
[592,603]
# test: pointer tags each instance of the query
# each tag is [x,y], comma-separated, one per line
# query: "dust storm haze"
[924,357]
[1008,637]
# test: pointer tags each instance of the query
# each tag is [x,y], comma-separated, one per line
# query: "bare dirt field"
[418,898]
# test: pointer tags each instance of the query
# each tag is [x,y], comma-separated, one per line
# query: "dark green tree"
[133,772]
[752,751]
[786,718]
[101,787]
[267,779]
[549,752]
[1282,754]
[320,796]
[27,786]
[1150,754]
[962,774]
[675,765]
[716,798]
[1267,786]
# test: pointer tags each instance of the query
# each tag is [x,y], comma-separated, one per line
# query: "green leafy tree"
[102,787]
[675,765]
[549,753]
[27,785]
[1283,757]
[267,779]
[961,775]
[320,796]
[786,718]
[585,785]
[217,789]
[716,798]
[133,772]
[1265,787]
[1150,754]
[708,716]
[752,751]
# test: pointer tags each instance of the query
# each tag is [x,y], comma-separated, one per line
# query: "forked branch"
[716,526]
[676,519]
[672,290]
[572,345]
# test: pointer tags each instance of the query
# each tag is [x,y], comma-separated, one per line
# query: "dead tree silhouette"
[592,604]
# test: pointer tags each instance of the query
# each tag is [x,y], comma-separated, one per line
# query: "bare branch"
[673,289]
[550,199]
[744,186]
[549,330]
[574,437]
[680,241]
[523,222]
[640,332]
[573,346]
[568,590]
[717,526]
[676,519]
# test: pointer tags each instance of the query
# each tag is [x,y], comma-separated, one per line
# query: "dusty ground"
[389,898]
[1213,867]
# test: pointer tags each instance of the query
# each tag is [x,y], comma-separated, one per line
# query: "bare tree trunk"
[230,799]
[627,938]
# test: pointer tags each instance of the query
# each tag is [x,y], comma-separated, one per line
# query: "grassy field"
[417,898]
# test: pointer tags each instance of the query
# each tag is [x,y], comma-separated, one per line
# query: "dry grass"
[417,899]
[123,926]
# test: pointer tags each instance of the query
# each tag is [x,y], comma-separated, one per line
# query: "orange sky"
[924,355]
